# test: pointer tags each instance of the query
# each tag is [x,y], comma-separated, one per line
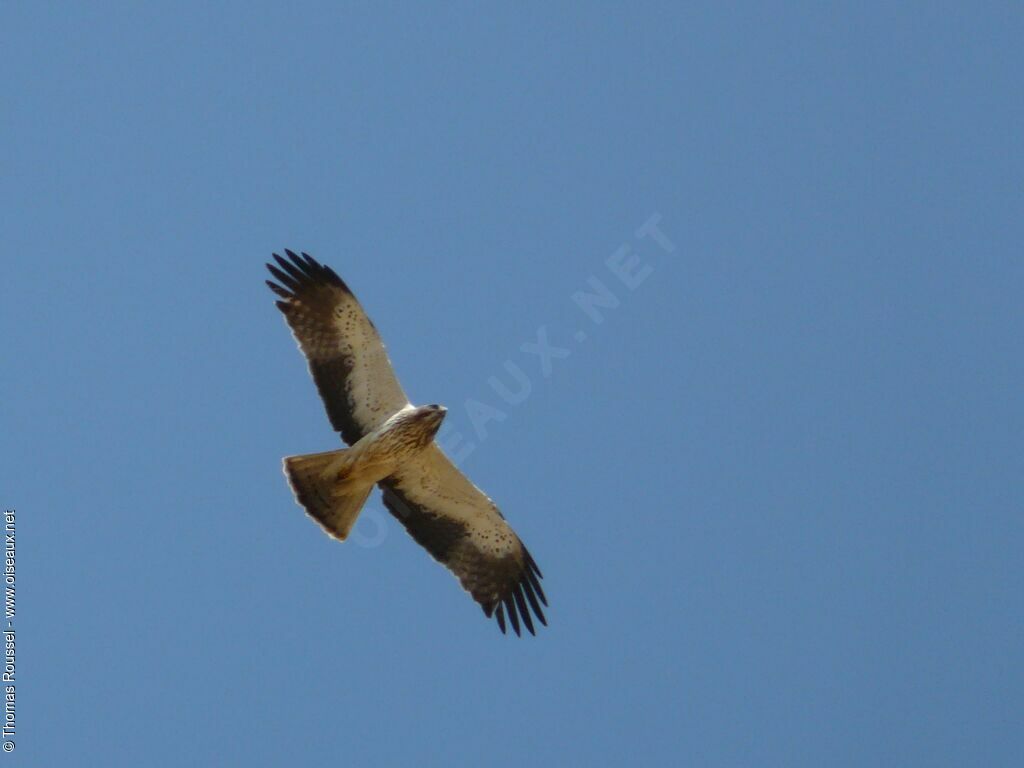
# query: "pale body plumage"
[383,451]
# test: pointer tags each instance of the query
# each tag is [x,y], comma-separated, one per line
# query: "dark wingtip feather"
[532,563]
[287,281]
[284,294]
[500,616]
[302,271]
[524,612]
[513,616]
[534,575]
[333,277]
[298,273]
[528,590]
[535,583]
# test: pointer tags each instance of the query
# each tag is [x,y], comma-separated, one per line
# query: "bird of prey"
[392,446]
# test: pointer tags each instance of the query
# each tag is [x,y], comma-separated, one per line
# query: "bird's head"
[432,415]
[435,412]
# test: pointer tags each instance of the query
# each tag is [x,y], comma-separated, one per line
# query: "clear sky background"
[776,493]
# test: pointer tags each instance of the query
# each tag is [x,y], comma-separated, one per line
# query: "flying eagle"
[392,446]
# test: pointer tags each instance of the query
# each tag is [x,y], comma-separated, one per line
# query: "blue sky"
[776,492]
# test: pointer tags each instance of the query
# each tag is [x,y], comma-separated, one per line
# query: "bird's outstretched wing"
[464,531]
[346,356]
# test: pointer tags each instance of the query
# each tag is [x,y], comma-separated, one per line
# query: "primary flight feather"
[392,446]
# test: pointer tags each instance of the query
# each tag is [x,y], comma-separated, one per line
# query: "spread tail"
[334,504]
